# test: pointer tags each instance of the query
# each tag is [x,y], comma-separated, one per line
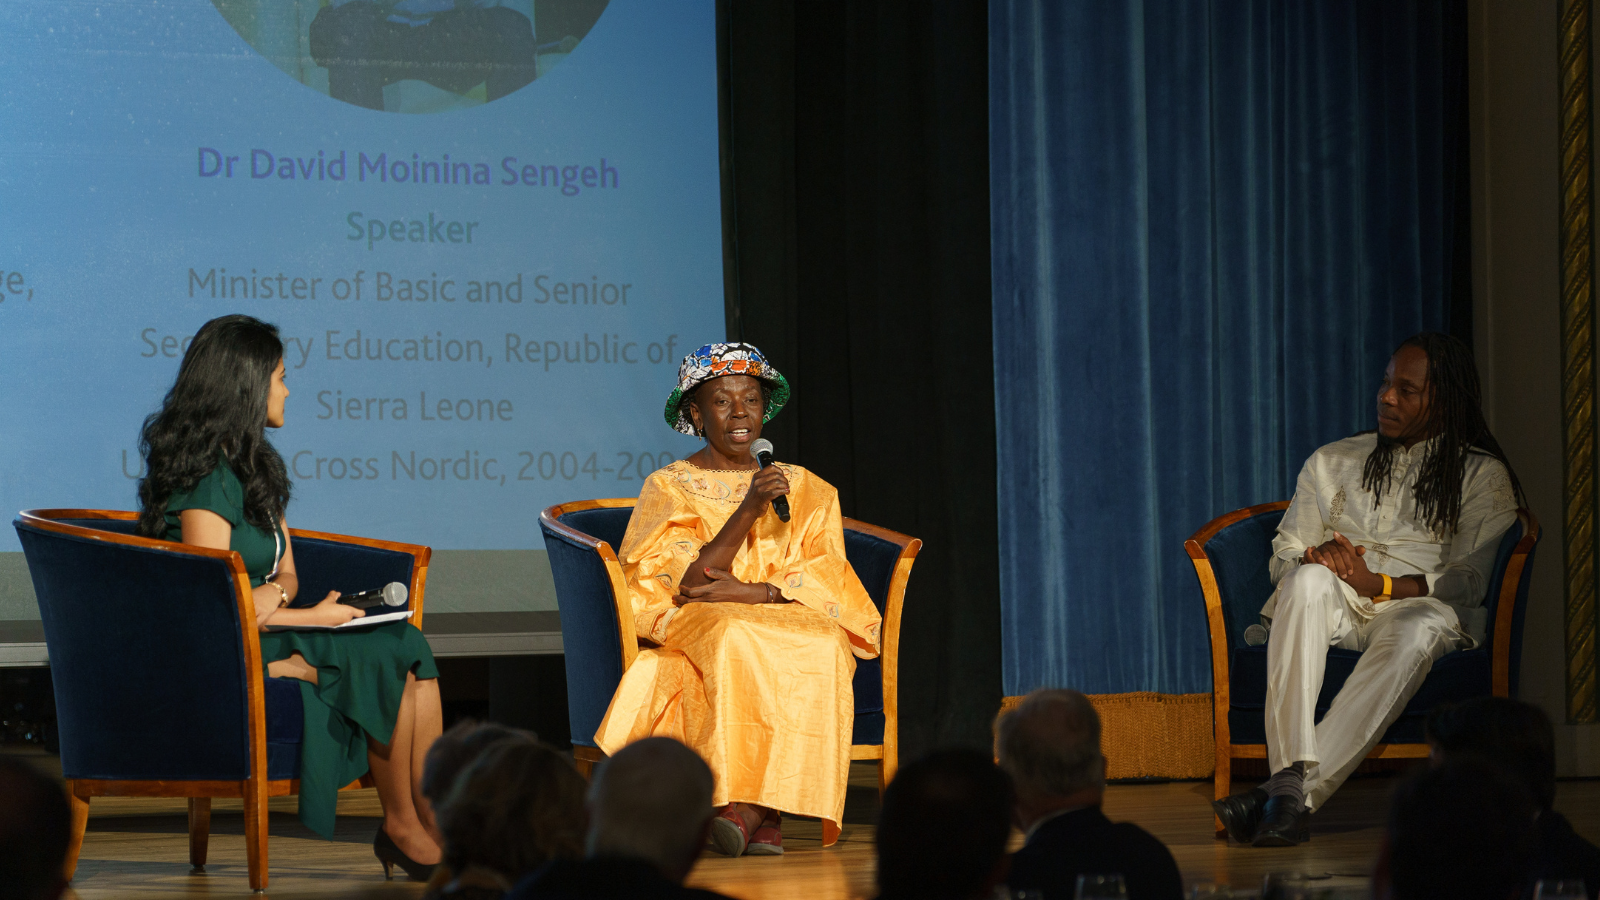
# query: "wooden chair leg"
[199,831]
[1224,783]
[80,824]
[255,833]
[584,759]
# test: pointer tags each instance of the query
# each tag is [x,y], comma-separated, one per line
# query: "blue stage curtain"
[1211,225]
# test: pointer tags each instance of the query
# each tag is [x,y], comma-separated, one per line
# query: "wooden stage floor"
[138,848]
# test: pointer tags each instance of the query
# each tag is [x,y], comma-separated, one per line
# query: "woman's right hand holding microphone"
[332,613]
[766,486]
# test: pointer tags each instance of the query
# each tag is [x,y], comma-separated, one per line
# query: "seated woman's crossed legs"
[396,767]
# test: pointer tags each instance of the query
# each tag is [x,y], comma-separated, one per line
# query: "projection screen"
[488,231]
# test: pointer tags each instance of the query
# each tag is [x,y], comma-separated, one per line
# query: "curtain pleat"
[1210,225]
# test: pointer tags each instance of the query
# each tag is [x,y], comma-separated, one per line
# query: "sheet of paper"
[362,622]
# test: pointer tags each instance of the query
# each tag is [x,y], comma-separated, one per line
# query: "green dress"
[361,674]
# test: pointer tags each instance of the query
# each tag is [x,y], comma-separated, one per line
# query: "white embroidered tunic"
[1329,498]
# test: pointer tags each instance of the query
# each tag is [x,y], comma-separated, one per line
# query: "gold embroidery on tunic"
[1504,497]
[710,483]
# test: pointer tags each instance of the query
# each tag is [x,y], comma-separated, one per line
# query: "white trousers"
[1400,640]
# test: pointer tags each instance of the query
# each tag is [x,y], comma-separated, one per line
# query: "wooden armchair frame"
[1227,751]
[256,789]
[888,753]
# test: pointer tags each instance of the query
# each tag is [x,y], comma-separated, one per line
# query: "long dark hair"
[1455,417]
[217,407]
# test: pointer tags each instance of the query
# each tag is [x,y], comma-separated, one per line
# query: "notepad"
[353,623]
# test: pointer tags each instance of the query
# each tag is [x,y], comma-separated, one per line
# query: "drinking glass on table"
[1565,889]
[1101,887]
[1286,886]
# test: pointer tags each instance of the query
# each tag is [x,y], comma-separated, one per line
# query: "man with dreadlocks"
[1385,549]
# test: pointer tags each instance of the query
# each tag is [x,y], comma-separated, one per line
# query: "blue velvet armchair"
[1230,556]
[599,642]
[156,661]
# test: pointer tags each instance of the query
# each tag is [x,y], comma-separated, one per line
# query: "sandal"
[768,839]
[727,832]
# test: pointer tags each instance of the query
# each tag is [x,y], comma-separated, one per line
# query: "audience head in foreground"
[457,748]
[1518,739]
[513,809]
[1461,830]
[1050,746]
[1513,736]
[649,817]
[943,828]
[35,826]
[652,801]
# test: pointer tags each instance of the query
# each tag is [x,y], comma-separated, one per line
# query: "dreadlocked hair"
[1455,418]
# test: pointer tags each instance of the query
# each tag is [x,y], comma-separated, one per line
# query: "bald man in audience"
[1050,746]
[649,818]
[35,826]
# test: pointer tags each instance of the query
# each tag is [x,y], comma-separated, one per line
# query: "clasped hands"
[724,588]
[1344,559]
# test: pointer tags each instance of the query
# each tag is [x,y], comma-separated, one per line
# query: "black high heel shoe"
[391,855]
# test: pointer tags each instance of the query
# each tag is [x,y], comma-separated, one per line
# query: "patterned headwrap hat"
[715,361]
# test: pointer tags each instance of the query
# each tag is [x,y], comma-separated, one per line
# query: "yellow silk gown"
[762,692]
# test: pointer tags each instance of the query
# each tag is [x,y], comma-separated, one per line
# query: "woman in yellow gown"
[753,624]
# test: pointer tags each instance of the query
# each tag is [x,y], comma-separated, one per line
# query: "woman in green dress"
[213,479]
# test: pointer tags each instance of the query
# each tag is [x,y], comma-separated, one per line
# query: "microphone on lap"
[392,594]
[763,451]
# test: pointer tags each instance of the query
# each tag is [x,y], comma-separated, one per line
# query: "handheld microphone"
[763,451]
[392,594]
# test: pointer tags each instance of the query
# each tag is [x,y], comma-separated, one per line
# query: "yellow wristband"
[1388,589]
[283,594]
